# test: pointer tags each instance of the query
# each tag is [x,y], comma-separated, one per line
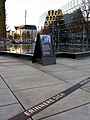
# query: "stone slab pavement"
[24,84]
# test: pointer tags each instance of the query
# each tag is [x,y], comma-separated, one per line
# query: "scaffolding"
[75,29]
[69,26]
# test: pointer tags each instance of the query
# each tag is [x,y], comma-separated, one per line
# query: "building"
[26,32]
[2,20]
[69,27]
[77,27]
[50,24]
[48,19]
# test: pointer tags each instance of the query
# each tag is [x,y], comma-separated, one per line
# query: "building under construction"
[69,27]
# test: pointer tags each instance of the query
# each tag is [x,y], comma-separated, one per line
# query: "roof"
[26,27]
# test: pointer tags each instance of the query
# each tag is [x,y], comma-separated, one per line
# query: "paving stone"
[87,88]
[52,68]
[75,99]
[22,67]
[67,74]
[2,84]
[9,111]
[80,113]
[32,97]
[31,81]
[73,62]
[87,73]
[6,97]
[8,60]
[10,63]
[76,79]
[84,68]
[19,71]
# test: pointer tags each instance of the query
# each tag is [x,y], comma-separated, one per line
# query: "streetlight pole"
[25,16]
[53,35]
[25,24]
[58,35]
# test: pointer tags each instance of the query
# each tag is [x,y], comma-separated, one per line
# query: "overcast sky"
[15,10]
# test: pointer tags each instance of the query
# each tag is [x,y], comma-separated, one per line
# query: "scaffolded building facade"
[76,26]
[69,27]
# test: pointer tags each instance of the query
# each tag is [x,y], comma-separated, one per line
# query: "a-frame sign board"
[44,52]
[37,51]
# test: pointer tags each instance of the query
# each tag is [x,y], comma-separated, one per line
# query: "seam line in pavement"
[85,87]
[3,88]
[22,75]
[12,92]
[37,87]
[44,72]
[10,62]
[64,111]
[14,95]
[85,90]
[51,74]
[9,104]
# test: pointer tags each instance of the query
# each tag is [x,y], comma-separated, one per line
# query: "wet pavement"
[24,84]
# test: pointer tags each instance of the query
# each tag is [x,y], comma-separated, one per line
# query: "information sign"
[44,51]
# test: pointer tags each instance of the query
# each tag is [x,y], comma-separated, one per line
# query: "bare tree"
[86,13]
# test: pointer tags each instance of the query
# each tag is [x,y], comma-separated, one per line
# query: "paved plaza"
[24,84]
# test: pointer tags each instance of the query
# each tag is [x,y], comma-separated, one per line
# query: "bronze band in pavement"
[48,102]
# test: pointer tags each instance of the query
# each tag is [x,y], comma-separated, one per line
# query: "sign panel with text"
[44,51]
[48,56]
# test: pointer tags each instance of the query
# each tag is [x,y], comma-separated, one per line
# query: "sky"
[15,11]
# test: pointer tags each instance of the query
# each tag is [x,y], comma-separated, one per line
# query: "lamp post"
[25,24]
[25,16]
[58,35]
[53,31]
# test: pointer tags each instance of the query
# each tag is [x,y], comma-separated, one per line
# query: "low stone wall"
[60,54]
[73,55]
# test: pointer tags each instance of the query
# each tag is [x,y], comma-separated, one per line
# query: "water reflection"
[22,48]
